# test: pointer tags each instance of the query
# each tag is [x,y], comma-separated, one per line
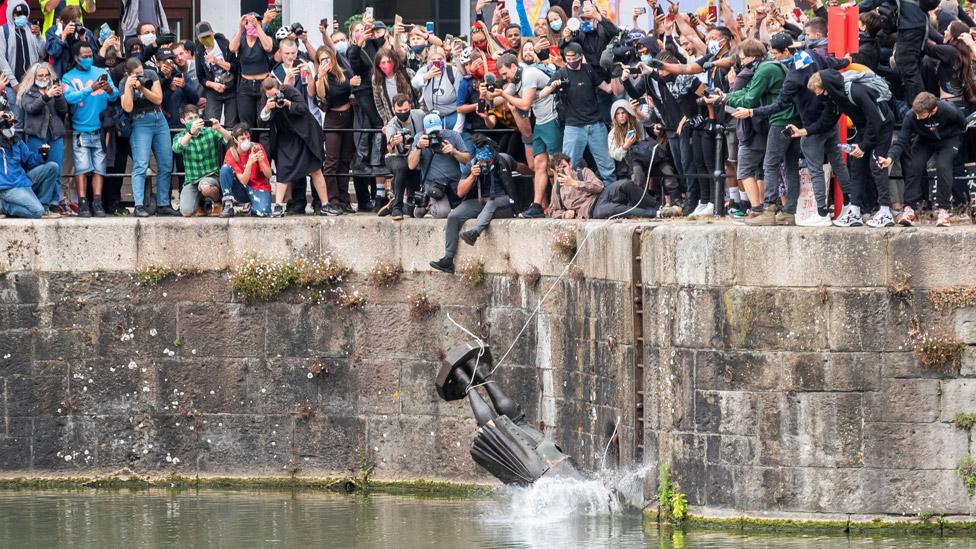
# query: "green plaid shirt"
[200,155]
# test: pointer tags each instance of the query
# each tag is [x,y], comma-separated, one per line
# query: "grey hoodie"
[8,53]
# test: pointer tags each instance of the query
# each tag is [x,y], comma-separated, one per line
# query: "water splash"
[554,499]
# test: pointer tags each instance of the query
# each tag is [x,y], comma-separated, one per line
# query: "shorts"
[750,159]
[88,153]
[732,145]
[547,138]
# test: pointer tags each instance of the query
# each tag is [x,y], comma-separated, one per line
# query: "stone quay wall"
[772,369]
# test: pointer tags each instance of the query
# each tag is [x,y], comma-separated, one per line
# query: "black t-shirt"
[581,103]
[139,102]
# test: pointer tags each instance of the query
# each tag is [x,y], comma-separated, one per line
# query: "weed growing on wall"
[953,297]
[900,287]
[154,274]
[672,503]
[967,473]
[321,270]
[257,279]
[565,245]
[422,306]
[471,271]
[964,420]
[385,275]
[350,300]
[532,277]
[940,352]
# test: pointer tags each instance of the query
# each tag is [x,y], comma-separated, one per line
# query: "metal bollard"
[718,185]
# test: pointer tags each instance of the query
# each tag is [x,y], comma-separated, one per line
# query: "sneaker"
[469,237]
[83,210]
[881,220]
[907,217]
[703,210]
[754,212]
[48,214]
[141,211]
[785,218]
[848,219]
[815,220]
[444,265]
[697,211]
[278,210]
[534,211]
[765,219]
[70,207]
[330,209]
[166,211]
[396,214]
[942,218]
[419,212]
[295,209]
[228,210]
[97,209]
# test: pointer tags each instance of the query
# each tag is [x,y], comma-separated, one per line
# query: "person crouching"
[27,183]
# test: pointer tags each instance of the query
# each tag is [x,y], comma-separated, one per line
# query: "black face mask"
[403,116]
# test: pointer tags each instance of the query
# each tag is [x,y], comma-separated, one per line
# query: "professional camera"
[563,87]
[144,81]
[80,33]
[298,29]
[491,83]
[7,120]
[707,93]
[407,142]
[618,51]
[436,141]
[279,99]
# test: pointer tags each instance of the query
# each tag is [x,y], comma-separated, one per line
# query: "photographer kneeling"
[439,154]
[400,131]
[484,196]
[198,144]
[28,185]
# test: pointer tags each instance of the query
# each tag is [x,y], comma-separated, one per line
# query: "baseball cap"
[781,42]
[433,123]
[204,29]
[163,54]
[21,9]
[377,25]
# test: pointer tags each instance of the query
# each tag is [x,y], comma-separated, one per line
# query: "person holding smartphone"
[198,143]
[639,156]
[45,110]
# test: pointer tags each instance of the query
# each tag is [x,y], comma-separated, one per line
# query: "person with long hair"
[629,144]
[389,80]
[253,49]
[333,91]
[529,56]
[437,83]
[45,109]
[957,81]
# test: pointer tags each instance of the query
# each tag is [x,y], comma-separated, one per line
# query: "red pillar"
[842,39]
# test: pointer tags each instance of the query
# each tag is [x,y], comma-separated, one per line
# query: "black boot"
[444,265]
[469,237]
[83,209]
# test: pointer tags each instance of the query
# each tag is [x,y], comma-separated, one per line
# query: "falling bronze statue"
[506,445]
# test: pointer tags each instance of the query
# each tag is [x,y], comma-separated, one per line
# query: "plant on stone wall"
[953,297]
[564,244]
[577,273]
[899,287]
[154,274]
[532,276]
[471,271]
[967,473]
[938,352]
[320,271]
[257,279]
[385,275]
[422,306]
[671,502]
[964,420]
[350,300]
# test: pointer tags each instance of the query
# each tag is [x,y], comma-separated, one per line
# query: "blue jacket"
[60,51]
[15,160]
[86,107]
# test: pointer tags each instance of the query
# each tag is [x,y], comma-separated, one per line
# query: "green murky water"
[234,519]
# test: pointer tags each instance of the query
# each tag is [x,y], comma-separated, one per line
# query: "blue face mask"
[586,26]
[20,20]
[556,25]
[418,48]
[646,59]
[341,47]
[86,63]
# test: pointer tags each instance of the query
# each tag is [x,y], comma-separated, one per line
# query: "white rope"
[481,352]
[603,462]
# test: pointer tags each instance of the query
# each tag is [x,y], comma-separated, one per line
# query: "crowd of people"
[569,116]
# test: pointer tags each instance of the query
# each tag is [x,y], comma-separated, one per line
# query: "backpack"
[869,79]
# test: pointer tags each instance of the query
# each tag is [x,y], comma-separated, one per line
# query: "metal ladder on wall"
[637,289]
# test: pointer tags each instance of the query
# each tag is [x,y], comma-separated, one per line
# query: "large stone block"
[113,387]
[253,444]
[958,396]
[726,412]
[804,257]
[15,352]
[606,251]
[197,244]
[914,445]
[904,400]
[774,319]
[863,321]
[676,390]
[932,258]
[19,248]
[224,329]
[128,331]
[205,385]
[698,319]
[811,429]
[532,245]
[19,288]
[277,239]
[360,254]
[693,255]
[965,325]
[108,244]
[308,331]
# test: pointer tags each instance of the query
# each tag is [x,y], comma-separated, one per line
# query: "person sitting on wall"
[439,154]
[484,195]
[579,194]
[27,183]
[198,144]
[246,174]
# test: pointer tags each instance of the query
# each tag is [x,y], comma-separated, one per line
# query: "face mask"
[245,145]
[387,68]
[574,65]
[252,31]
[543,54]
[483,45]
[86,63]
[419,48]
[713,47]
[478,73]
[586,26]
[208,42]
[20,20]
[42,83]
[147,39]
[403,116]
[556,25]
[8,133]
[356,36]
[341,47]
[647,58]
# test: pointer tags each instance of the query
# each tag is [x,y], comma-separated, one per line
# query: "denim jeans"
[231,188]
[473,209]
[150,134]
[594,136]
[56,156]
[30,202]
[814,148]
[782,152]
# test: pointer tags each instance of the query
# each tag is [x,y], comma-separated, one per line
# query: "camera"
[491,83]
[7,120]
[44,151]
[144,81]
[436,142]
[208,123]
[407,142]
[279,99]
[298,29]
[563,87]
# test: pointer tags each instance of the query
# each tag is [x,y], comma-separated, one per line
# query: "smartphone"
[369,13]
[642,10]
[325,23]
[631,134]
[797,12]
[103,78]
[731,110]
[788,133]
[104,28]
[430,26]
[408,28]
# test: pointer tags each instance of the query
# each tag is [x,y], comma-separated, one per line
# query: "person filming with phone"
[199,145]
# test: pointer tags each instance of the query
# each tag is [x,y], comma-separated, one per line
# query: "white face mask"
[713,47]
[42,83]
[245,145]
[147,39]
[8,132]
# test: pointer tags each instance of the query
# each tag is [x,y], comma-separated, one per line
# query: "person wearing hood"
[28,185]
[216,66]
[874,124]
[136,12]
[781,149]
[795,93]
[24,46]
[642,157]
[254,53]
[62,38]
